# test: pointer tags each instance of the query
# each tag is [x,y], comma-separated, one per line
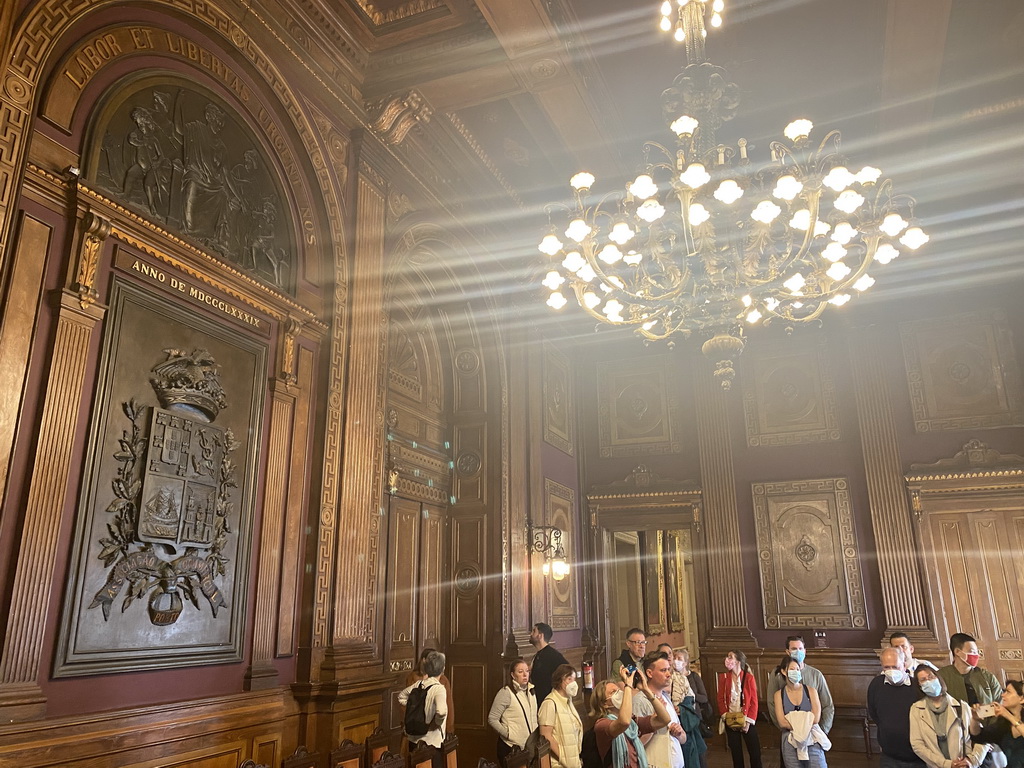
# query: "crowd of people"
[654,711]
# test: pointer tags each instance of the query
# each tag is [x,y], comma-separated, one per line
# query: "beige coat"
[925,743]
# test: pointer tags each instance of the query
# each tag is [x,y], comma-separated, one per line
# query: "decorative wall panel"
[807,550]
[654,581]
[559,415]
[162,547]
[559,511]
[637,411]
[962,372]
[789,396]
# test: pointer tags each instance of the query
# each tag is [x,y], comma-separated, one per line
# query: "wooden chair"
[544,753]
[449,753]
[376,745]
[348,754]
[389,760]
[422,756]
[252,764]
[301,758]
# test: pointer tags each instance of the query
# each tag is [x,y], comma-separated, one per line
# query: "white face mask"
[895,675]
[617,699]
[572,689]
[678,664]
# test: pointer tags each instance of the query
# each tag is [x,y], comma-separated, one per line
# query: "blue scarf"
[620,753]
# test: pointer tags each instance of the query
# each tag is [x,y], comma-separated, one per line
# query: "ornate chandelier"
[707,240]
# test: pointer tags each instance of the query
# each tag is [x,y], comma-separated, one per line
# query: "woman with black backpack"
[514,711]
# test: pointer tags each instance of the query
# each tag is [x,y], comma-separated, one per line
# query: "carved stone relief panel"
[559,506]
[962,372]
[165,518]
[808,556]
[637,411]
[789,396]
[184,160]
[559,414]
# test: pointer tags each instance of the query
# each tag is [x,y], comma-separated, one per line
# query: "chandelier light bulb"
[772,303]
[559,570]
[621,233]
[787,187]
[885,253]
[605,287]
[695,176]
[839,299]
[893,224]
[613,310]
[556,300]
[718,6]
[753,316]
[833,252]
[821,228]
[684,125]
[766,212]
[616,281]
[582,181]
[844,233]
[586,273]
[914,238]
[550,244]
[682,3]
[716,20]
[698,214]
[666,8]
[865,282]
[795,284]
[798,129]
[801,219]
[573,261]
[838,179]
[610,254]
[591,299]
[849,201]
[666,22]
[632,258]
[747,300]
[578,230]
[643,187]
[553,280]
[868,175]
[651,211]
[838,271]
[679,34]
[728,192]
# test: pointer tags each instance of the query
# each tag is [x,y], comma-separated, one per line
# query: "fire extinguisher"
[588,676]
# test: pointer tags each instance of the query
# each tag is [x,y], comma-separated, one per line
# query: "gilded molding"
[398,115]
[96,230]
[289,333]
[403,11]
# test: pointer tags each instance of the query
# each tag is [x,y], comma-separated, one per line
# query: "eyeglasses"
[637,642]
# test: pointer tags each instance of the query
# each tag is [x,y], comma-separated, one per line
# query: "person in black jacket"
[545,661]
[633,655]
[890,696]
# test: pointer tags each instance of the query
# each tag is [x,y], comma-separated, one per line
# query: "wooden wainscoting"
[212,733]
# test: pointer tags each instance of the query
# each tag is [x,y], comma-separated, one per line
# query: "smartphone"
[631,669]
[986,710]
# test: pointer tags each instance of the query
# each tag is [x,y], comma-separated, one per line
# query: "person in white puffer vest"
[514,711]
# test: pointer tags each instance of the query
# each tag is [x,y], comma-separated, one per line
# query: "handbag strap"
[526,717]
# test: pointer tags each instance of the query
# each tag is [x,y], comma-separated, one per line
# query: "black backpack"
[416,711]
[590,755]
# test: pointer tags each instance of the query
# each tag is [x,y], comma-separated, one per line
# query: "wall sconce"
[547,540]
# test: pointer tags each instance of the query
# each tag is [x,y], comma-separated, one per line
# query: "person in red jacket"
[737,693]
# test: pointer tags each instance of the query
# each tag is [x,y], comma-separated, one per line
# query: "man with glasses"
[636,649]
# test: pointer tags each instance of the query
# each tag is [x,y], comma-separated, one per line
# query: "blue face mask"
[798,655]
[795,676]
[931,687]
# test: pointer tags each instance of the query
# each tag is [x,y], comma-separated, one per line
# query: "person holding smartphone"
[1005,730]
[633,655]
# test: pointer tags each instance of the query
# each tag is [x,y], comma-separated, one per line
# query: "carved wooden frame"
[829,498]
[674,568]
[557,383]
[644,371]
[1000,357]
[824,428]
[655,612]
[560,511]
[72,660]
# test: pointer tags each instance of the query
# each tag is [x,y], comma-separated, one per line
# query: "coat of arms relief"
[169,523]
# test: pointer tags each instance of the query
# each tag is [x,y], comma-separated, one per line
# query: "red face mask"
[973,659]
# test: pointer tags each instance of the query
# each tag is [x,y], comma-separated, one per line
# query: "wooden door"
[977,558]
